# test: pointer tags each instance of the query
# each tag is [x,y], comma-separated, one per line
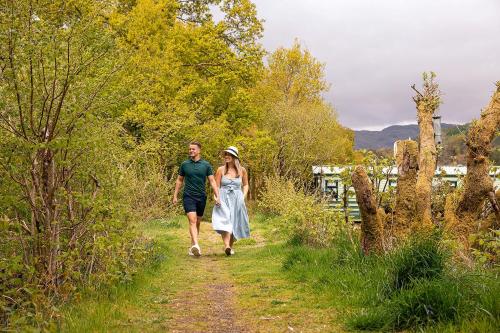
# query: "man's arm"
[178,184]
[213,183]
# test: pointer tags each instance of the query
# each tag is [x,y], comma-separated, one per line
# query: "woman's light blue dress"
[231,215]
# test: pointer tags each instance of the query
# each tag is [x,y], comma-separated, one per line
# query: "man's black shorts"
[194,204]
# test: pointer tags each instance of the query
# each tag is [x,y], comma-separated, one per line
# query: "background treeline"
[98,100]
[453,151]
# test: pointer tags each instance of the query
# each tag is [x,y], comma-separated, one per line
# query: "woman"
[230,218]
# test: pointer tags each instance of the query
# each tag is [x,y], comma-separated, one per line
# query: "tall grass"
[414,287]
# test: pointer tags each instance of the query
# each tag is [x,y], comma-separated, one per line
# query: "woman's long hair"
[237,164]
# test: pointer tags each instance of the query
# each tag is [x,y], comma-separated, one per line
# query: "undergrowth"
[415,287]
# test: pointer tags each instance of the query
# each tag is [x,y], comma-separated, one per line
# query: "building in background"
[328,179]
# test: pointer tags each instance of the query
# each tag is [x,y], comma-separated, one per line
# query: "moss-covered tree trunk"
[427,103]
[407,163]
[371,224]
[478,185]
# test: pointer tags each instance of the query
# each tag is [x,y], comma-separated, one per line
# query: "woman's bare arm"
[218,176]
[246,187]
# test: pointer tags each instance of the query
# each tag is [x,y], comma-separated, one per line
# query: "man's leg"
[200,209]
[198,223]
[193,229]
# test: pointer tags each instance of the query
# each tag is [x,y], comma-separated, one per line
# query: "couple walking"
[230,187]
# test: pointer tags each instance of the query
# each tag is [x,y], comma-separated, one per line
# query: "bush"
[485,246]
[304,218]
[149,192]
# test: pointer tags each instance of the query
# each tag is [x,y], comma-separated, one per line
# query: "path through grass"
[247,292]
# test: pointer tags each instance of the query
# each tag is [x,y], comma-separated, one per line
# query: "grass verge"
[416,287]
[111,309]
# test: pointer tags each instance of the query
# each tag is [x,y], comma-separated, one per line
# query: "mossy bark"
[478,185]
[371,218]
[405,208]
[427,103]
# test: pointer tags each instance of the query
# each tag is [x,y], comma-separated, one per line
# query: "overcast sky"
[375,49]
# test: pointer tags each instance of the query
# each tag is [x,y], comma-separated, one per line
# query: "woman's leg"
[231,241]
[226,238]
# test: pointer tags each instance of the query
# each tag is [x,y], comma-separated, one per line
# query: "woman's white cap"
[232,150]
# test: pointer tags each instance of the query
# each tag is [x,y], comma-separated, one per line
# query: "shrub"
[304,218]
[485,246]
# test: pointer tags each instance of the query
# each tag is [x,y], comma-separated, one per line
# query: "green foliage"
[414,287]
[420,291]
[296,117]
[423,258]
[305,219]
[197,74]
[485,246]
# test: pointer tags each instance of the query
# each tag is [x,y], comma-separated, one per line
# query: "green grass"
[271,301]
[279,286]
[110,309]
[411,288]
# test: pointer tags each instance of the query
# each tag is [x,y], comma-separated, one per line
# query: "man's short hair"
[196,143]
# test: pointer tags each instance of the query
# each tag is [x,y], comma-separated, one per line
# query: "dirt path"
[207,303]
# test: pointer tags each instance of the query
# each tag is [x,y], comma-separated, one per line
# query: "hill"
[385,138]
[454,148]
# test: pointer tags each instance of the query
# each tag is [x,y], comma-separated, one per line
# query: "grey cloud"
[374,51]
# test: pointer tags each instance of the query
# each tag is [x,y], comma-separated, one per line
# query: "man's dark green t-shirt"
[195,174]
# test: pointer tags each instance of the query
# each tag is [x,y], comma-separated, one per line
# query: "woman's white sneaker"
[195,250]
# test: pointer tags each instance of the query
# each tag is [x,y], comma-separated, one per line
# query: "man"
[193,173]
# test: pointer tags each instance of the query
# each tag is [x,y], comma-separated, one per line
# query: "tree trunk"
[478,185]
[371,224]
[427,103]
[407,164]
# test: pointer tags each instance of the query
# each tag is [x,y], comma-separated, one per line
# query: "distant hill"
[454,149]
[386,137]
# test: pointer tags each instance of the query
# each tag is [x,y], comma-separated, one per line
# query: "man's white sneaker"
[190,251]
[195,250]
[232,252]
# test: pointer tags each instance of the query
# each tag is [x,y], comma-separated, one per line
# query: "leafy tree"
[61,152]
[188,75]
[293,111]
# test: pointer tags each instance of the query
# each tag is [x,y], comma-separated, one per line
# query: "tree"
[427,103]
[407,164]
[478,185]
[371,216]
[57,61]
[187,74]
[293,111]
